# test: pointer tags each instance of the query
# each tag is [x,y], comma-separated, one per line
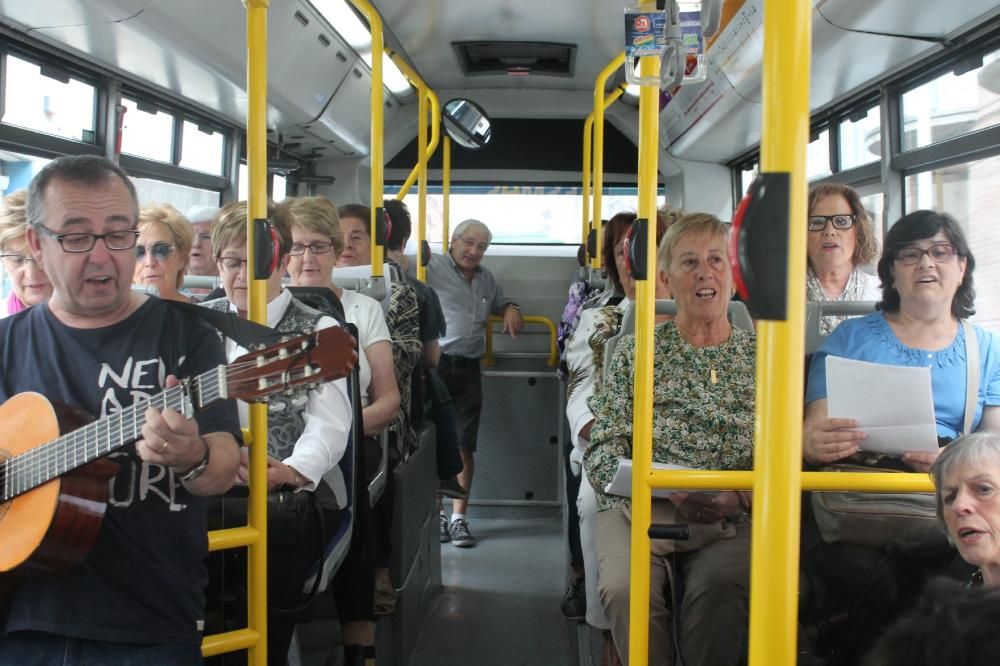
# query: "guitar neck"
[51,460]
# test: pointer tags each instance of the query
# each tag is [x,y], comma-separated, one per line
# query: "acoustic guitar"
[54,474]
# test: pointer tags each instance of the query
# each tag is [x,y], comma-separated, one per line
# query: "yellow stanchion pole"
[422,155]
[781,348]
[257,209]
[602,80]
[378,123]
[588,135]
[642,424]
[446,191]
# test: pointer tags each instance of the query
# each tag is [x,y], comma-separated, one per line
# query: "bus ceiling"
[195,51]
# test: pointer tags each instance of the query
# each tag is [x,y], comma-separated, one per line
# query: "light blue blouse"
[870,338]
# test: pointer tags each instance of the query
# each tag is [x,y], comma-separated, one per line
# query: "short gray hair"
[973,450]
[465,225]
[79,169]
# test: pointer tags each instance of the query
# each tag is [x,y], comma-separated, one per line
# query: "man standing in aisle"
[469,295]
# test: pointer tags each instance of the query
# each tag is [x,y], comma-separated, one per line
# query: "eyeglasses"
[939,252]
[819,222]
[76,242]
[13,261]
[471,243]
[316,247]
[159,250]
[231,264]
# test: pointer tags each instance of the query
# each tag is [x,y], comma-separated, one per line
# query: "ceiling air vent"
[516,58]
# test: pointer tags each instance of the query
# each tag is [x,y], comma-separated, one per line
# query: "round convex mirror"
[466,123]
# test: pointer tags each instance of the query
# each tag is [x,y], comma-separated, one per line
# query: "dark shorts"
[461,376]
[34,648]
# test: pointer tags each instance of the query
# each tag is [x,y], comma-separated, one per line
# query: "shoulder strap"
[971,375]
[246,333]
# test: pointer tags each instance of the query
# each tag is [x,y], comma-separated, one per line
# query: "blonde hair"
[175,223]
[13,217]
[229,227]
[690,224]
[319,215]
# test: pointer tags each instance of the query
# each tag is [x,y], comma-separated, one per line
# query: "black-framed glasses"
[939,253]
[316,247]
[482,247]
[231,264]
[13,261]
[159,250]
[819,222]
[79,242]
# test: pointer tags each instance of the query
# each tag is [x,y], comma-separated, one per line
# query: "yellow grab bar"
[489,359]
[875,482]
[599,85]
[446,192]
[588,132]
[230,641]
[378,123]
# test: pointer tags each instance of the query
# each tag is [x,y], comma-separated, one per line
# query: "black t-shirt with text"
[144,579]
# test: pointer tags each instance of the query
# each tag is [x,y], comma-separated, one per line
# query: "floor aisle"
[500,602]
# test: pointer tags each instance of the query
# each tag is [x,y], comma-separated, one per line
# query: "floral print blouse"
[703,407]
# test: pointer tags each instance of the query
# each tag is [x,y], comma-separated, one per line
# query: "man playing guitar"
[138,597]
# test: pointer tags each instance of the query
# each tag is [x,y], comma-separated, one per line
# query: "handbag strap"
[971,375]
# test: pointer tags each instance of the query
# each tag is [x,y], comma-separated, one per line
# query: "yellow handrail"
[489,359]
[231,641]
[588,131]
[642,419]
[875,482]
[446,191]
[599,85]
[378,123]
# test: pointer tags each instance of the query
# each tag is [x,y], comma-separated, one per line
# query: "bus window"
[17,169]
[181,197]
[951,105]
[860,141]
[968,192]
[818,157]
[148,134]
[63,107]
[202,150]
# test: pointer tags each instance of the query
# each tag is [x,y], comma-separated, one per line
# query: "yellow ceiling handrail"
[598,145]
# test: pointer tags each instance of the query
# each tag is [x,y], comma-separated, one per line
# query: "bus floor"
[499,605]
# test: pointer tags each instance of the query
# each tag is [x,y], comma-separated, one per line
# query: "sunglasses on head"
[160,250]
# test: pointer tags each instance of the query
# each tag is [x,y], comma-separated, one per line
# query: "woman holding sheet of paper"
[926,273]
[703,410]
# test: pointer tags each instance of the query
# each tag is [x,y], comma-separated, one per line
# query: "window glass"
[950,105]
[860,140]
[523,215]
[746,179]
[42,103]
[181,197]
[149,135]
[818,157]
[279,189]
[244,178]
[202,151]
[874,204]
[969,193]
[17,170]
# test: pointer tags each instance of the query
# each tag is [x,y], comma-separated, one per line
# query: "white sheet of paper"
[892,403]
[622,483]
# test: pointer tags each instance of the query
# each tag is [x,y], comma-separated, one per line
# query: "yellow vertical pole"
[588,149]
[378,122]
[599,85]
[446,191]
[422,171]
[781,348]
[256,209]
[642,424]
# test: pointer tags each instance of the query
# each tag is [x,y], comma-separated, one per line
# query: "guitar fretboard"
[53,459]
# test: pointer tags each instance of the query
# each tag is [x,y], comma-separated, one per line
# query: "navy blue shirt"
[144,579]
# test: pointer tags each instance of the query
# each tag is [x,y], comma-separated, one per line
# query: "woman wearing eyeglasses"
[164,244]
[841,241]
[926,273]
[30,285]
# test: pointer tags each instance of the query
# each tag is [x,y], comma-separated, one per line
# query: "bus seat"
[359,278]
[737,312]
[816,310]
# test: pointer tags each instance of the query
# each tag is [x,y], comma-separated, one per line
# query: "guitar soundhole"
[4,457]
